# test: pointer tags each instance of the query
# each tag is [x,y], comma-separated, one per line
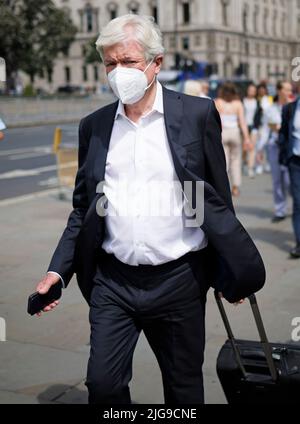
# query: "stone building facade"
[257,38]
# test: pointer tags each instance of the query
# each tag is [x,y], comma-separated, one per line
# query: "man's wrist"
[61,279]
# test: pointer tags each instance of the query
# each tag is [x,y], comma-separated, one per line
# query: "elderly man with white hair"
[138,266]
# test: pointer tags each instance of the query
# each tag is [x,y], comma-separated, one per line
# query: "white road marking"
[36,149]
[50,182]
[26,197]
[47,152]
[17,173]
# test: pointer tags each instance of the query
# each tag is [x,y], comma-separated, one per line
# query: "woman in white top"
[253,114]
[266,102]
[233,120]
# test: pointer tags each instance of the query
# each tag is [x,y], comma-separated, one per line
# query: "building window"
[227,45]
[266,21]
[185,43]
[67,74]
[197,40]
[245,18]
[89,18]
[172,42]
[133,7]
[283,25]
[224,5]
[112,10]
[49,75]
[257,48]
[84,73]
[155,13]
[255,19]
[247,48]
[154,10]
[96,73]
[186,12]
[275,23]
[258,72]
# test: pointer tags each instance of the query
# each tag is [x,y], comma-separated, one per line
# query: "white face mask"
[129,84]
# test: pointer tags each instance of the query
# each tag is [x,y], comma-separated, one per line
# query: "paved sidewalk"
[44,359]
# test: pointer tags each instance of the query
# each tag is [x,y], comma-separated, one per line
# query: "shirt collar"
[158,105]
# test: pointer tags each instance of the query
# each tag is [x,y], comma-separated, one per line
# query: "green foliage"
[32,34]
[29,91]
[91,54]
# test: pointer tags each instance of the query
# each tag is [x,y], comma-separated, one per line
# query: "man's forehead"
[128,48]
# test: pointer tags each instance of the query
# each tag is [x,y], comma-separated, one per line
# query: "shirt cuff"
[62,281]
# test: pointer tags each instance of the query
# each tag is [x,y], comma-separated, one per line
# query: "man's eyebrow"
[109,59]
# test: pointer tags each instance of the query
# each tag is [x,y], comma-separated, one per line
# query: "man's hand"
[44,286]
[240,302]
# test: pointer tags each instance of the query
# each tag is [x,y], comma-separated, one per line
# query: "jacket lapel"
[101,139]
[173,111]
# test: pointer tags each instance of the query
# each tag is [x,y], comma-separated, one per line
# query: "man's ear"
[158,62]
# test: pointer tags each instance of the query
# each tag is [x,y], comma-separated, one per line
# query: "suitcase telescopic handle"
[267,348]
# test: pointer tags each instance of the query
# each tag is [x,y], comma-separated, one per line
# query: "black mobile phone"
[37,302]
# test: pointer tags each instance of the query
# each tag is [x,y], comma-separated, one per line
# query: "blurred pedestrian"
[2,127]
[233,120]
[192,88]
[289,144]
[265,102]
[280,174]
[253,114]
[204,90]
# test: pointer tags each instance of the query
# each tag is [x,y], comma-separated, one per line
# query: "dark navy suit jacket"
[286,142]
[234,265]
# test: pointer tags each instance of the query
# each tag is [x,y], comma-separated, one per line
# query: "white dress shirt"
[140,176]
[146,215]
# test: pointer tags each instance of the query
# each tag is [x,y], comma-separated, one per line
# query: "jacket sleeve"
[284,135]
[215,162]
[62,259]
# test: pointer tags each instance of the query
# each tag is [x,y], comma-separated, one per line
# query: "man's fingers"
[44,287]
[47,308]
[47,282]
[51,306]
[240,302]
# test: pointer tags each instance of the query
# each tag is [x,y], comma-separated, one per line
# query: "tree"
[11,35]
[33,34]
[91,54]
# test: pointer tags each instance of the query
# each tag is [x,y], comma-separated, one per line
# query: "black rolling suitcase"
[253,372]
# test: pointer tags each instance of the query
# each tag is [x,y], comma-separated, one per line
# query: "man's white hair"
[142,29]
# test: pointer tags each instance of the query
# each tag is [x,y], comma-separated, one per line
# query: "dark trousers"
[294,169]
[167,302]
